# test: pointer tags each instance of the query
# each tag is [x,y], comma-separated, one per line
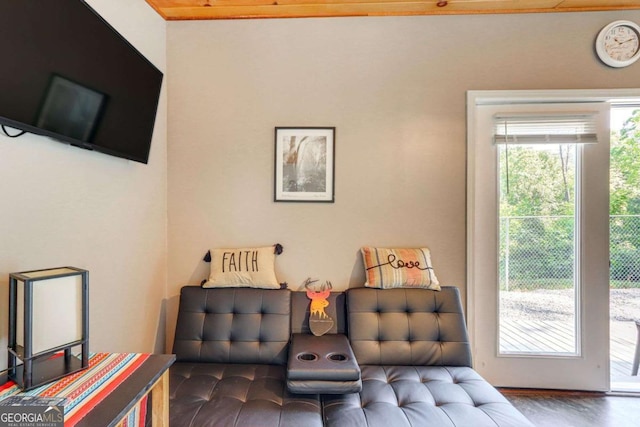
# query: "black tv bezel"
[7,122]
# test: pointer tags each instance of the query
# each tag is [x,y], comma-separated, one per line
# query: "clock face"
[618,44]
[622,43]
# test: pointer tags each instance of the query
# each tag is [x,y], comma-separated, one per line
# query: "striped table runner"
[86,389]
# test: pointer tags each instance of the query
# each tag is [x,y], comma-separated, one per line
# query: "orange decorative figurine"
[319,321]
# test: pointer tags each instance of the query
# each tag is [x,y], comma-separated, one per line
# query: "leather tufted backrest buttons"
[236,325]
[407,327]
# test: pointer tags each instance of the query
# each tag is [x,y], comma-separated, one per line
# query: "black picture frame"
[304,164]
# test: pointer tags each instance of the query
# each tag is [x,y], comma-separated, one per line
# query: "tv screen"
[67,74]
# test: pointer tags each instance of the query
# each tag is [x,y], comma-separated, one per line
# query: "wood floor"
[575,409]
[523,335]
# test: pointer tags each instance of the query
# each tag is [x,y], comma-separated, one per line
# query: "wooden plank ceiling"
[235,9]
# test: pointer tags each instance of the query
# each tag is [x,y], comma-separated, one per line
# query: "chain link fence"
[624,256]
[538,252]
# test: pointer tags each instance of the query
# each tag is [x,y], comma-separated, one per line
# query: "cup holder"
[337,357]
[308,357]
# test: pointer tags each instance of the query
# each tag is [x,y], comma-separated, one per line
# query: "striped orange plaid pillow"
[399,268]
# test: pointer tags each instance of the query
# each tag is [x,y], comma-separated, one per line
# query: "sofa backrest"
[233,325]
[407,327]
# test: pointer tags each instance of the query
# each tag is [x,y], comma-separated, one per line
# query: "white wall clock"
[618,44]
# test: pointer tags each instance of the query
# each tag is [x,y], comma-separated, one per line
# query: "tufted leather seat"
[214,394]
[415,358]
[231,349]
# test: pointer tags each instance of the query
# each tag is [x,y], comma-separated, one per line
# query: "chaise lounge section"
[413,349]
[232,346]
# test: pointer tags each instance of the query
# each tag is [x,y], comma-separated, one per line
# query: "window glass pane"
[624,248]
[537,249]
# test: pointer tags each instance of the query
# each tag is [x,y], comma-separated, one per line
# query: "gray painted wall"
[395,90]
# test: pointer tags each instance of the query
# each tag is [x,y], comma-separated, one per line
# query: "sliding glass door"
[538,240]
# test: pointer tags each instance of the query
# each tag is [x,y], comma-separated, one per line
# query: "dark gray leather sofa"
[232,346]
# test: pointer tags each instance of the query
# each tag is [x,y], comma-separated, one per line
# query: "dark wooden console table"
[151,377]
[147,375]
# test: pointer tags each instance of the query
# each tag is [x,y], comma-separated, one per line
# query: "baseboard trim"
[531,392]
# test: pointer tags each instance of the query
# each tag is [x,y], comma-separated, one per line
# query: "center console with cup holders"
[322,364]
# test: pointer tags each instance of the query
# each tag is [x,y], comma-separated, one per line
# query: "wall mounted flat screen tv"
[67,74]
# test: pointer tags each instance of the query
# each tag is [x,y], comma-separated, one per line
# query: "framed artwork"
[70,109]
[304,164]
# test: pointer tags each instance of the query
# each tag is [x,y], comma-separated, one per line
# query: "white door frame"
[506,370]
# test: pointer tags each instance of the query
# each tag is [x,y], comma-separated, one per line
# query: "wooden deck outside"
[558,337]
